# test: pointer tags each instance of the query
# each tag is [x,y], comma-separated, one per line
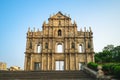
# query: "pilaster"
[48,61]
[66,61]
[70,61]
[25,63]
[53,61]
[42,61]
[31,62]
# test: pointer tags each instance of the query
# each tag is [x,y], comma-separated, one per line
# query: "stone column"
[48,61]
[65,44]
[53,46]
[53,61]
[66,62]
[31,62]
[25,63]
[86,51]
[76,61]
[92,47]
[70,61]
[41,61]
[93,60]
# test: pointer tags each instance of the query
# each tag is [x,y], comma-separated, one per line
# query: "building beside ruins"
[59,46]
[3,66]
[15,68]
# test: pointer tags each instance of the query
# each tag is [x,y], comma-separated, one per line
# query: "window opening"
[80,66]
[59,65]
[59,33]
[38,48]
[46,45]
[30,44]
[59,48]
[89,44]
[37,66]
[73,45]
[80,48]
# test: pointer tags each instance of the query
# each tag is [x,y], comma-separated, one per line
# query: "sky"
[103,16]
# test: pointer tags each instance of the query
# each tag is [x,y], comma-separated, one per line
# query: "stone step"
[44,75]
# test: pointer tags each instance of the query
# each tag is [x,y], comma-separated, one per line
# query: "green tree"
[108,47]
[109,54]
[103,57]
[116,54]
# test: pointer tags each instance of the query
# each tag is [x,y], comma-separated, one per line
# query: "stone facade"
[15,68]
[59,46]
[3,66]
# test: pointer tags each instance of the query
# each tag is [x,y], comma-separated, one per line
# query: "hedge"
[92,65]
[108,68]
[117,71]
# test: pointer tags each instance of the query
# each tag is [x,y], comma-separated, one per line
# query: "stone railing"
[89,71]
[99,75]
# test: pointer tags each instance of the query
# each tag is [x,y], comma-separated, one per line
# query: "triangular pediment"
[59,15]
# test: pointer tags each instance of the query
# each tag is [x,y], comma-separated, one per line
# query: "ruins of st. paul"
[59,46]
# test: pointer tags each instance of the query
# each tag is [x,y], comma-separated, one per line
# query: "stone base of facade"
[57,61]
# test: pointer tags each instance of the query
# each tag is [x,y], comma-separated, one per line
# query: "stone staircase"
[44,75]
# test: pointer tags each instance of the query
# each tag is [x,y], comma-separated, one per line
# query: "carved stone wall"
[42,51]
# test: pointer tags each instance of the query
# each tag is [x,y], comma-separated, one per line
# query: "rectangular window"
[59,65]
[81,64]
[37,66]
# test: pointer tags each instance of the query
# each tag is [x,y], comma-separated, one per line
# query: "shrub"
[93,65]
[117,71]
[112,69]
[108,68]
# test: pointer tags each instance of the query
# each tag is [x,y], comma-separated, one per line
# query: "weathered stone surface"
[42,47]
